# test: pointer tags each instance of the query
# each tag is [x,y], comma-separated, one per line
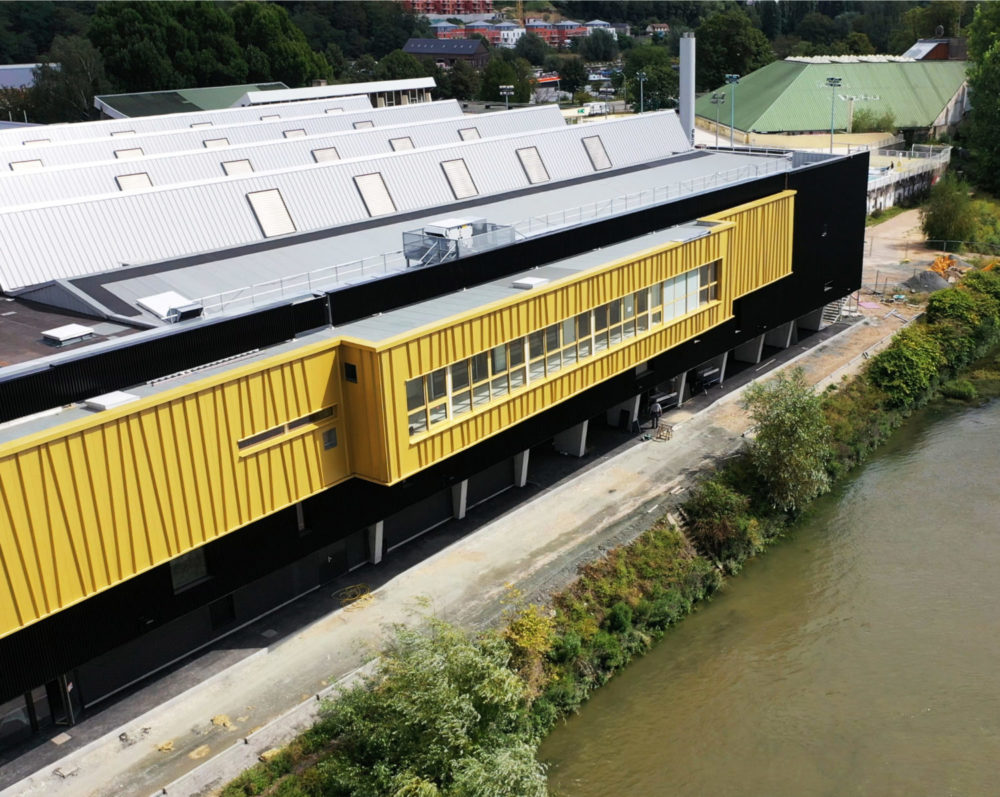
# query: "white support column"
[750,352]
[780,336]
[521,467]
[572,441]
[459,499]
[722,367]
[375,542]
[681,384]
[812,322]
[631,406]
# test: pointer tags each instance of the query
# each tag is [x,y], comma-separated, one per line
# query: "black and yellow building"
[251,458]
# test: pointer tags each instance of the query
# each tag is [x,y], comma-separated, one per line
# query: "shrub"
[908,369]
[961,389]
[619,619]
[719,523]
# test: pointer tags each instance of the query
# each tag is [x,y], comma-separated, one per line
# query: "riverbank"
[622,603]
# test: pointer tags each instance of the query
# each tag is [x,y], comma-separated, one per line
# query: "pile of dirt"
[926,282]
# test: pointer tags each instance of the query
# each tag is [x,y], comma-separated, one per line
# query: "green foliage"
[661,86]
[791,444]
[720,524]
[398,65]
[598,46]
[908,369]
[866,120]
[984,86]
[274,48]
[442,709]
[961,389]
[729,43]
[66,93]
[532,48]
[504,68]
[572,74]
[947,216]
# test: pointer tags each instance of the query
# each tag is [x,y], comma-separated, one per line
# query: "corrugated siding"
[87,506]
[80,131]
[39,244]
[760,247]
[94,179]
[175,142]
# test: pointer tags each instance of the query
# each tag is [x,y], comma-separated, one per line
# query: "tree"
[947,215]
[984,86]
[727,44]
[572,74]
[505,68]
[598,46]
[444,714]
[791,446]
[463,81]
[398,65]
[65,87]
[661,86]
[274,48]
[532,48]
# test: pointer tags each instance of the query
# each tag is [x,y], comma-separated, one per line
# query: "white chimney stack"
[687,85]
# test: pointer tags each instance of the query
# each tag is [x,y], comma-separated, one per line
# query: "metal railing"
[306,282]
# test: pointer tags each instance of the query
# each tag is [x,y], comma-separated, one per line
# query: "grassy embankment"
[617,608]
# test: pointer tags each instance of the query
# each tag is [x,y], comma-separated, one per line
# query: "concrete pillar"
[300,516]
[722,367]
[813,322]
[780,336]
[459,499]
[375,542]
[631,406]
[681,386]
[750,352]
[521,467]
[572,441]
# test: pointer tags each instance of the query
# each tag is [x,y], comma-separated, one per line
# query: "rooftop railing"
[307,282]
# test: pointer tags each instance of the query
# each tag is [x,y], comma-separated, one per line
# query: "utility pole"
[732,80]
[717,99]
[641,76]
[834,84]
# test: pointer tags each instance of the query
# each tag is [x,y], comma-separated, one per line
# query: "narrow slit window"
[123,133]
[215,143]
[459,178]
[270,117]
[133,182]
[404,142]
[25,166]
[374,194]
[298,132]
[314,417]
[128,154]
[237,167]
[334,110]
[198,125]
[260,437]
[469,133]
[272,215]
[326,154]
[598,155]
[364,124]
[532,164]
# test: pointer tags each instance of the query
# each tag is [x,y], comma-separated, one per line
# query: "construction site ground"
[189,731]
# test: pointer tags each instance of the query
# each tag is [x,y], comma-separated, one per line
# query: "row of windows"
[456,389]
[325,414]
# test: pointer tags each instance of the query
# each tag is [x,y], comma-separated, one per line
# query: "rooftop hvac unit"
[450,239]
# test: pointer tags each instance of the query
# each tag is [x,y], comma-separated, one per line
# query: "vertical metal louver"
[133,182]
[272,215]
[462,185]
[374,194]
[326,154]
[532,164]
[595,151]
[469,133]
[25,166]
[237,167]
[397,144]
[215,143]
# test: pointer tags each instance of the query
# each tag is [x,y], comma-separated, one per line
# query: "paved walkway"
[536,545]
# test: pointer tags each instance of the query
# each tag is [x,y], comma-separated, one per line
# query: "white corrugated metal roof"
[45,242]
[80,131]
[187,140]
[95,179]
[337,90]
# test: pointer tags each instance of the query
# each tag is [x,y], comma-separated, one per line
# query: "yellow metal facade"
[90,503]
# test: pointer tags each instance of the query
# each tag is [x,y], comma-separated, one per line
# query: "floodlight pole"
[641,76]
[717,99]
[506,91]
[834,84]
[732,80]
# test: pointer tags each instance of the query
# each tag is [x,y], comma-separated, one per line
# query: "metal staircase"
[832,312]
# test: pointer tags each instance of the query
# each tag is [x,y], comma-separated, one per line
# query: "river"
[859,656]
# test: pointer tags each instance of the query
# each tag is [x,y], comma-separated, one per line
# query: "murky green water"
[859,657]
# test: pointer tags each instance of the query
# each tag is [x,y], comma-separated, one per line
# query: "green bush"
[719,523]
[908,369]
[961,389]
[619,618]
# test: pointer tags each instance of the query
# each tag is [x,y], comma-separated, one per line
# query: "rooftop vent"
[108,401]
[527,283]
[64,335]
[170,306]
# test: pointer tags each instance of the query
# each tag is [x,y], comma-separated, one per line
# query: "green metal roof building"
[791,96]
[154,103]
